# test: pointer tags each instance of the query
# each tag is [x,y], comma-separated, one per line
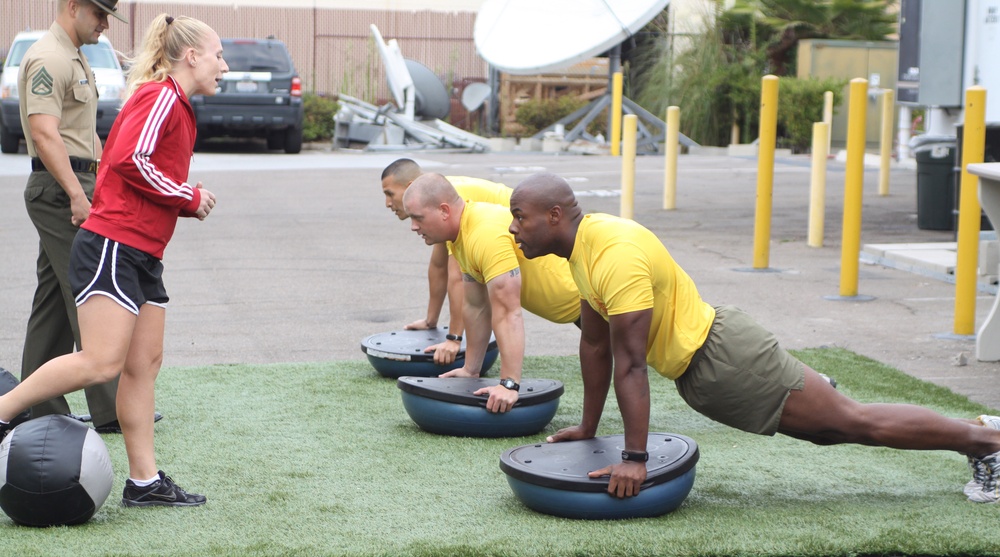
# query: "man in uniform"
[444,277]
[497,279]
[58,99]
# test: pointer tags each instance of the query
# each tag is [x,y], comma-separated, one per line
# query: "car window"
[99,55]
[16,53]
[253,56]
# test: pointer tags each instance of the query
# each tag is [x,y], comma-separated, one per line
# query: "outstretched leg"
[823,415]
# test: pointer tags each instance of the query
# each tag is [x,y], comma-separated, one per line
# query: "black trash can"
[935,156]
[991,153]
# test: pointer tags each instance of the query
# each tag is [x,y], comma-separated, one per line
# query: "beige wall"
[848,60]
[331,47]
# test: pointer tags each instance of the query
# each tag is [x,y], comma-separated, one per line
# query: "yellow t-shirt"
[620,267]
[477,189]
[485,250]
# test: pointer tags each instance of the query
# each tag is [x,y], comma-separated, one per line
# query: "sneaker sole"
[981,497]
[130,503]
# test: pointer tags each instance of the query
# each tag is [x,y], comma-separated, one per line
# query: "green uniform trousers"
[53,329]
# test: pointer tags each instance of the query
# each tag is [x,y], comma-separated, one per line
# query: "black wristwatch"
[450,336]
[635,456]
[510,384]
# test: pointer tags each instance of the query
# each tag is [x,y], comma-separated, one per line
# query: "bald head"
[434,207]
[546,216]
[543,191]
[429,190]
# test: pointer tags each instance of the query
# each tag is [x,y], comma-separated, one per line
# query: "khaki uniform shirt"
[55,78]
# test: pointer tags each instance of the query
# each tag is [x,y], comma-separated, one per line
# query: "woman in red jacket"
[115,267]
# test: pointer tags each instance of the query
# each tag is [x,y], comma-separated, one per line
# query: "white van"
[107,72]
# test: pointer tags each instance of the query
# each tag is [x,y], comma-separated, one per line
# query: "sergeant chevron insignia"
[41,84]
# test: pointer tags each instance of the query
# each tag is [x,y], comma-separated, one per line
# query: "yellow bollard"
[885,145]
[854,180]
[817,184]
[630,131]
[765,170]
[670,167]
[828,117]
[973,151]
[616,114]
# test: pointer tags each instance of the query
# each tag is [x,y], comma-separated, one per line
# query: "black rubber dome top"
[565,465]
[408,346]
[458,390]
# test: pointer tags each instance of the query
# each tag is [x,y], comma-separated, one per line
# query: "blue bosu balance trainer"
[446,406]
[398,353]
[551,478]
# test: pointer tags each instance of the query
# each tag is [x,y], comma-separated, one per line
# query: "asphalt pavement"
[301,260]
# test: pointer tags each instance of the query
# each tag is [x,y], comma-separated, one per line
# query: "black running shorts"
[99,266]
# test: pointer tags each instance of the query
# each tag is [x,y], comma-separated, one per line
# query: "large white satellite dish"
[526,37]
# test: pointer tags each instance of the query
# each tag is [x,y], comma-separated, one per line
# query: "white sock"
[145,483]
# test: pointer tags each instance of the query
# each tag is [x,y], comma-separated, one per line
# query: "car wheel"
[293,141]
[10,142]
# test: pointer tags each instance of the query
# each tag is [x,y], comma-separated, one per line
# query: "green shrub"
[318,124]
[536,115]
[800,104]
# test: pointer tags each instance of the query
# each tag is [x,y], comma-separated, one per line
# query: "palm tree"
[786,22]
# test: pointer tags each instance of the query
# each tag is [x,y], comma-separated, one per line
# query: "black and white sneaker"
[161,493]
[5,429]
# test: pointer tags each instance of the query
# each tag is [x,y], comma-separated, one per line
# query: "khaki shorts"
[740,376]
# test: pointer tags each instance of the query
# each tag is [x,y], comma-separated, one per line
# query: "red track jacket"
[142,180]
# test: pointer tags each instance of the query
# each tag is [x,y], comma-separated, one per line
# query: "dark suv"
[261,96]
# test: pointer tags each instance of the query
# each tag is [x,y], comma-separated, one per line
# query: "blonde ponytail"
[166,40]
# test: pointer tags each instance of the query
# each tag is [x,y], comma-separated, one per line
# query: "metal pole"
[670,167]
[885,145]
[616,114]
[630,130]
[973,151]
[817,184]
[765,170]
[828,117]
[853,187]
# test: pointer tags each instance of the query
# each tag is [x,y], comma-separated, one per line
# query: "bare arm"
[49,146]
[478,319]
[629,333]
[456,297]
[508,324]
[437,283]
[442,272]
[595,367]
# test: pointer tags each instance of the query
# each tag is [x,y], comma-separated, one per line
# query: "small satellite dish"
[474,95]
[525,37]
[432,98]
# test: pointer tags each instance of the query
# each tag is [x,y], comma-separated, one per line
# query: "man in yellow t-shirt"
[642,308]
[498,279]
[443,274]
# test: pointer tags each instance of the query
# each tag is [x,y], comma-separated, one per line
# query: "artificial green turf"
[321,459]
